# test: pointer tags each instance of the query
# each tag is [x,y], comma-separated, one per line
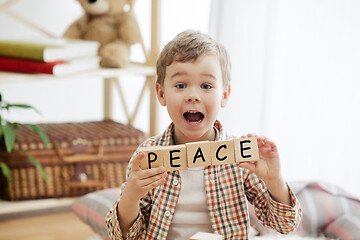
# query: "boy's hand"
[141,181]
[137,185]
[268,169]
[268,166]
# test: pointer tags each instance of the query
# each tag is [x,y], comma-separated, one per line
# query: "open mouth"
[193,116]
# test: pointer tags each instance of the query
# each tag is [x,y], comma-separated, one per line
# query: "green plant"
[8,136]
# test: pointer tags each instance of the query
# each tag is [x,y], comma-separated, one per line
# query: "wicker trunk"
[81,157]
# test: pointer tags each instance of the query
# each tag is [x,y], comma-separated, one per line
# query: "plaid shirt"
[227,187]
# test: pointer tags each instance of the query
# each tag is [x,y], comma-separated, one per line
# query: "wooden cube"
[222,152]
[153,157]
[174,157]
[246,149]
[198,154]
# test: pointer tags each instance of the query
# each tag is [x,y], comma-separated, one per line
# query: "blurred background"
[295,77]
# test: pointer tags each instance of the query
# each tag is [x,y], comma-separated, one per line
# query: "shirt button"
[175,182]
[167,213]
[288,214]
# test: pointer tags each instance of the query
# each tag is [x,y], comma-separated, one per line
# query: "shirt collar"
[168,135]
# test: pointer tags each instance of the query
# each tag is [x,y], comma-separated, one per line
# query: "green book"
[68,50]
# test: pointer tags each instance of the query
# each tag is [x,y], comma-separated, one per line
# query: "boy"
[193,82]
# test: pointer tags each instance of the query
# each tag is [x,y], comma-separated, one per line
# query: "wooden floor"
[54,226]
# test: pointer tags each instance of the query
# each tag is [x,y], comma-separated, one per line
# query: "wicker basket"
[81,157]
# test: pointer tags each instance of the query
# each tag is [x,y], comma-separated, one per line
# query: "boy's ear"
[226,95]
[160,94]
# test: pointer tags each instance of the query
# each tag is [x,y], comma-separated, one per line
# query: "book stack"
[58,57]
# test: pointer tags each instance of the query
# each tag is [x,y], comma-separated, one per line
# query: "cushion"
[327,210]
[93,207]
[346,226]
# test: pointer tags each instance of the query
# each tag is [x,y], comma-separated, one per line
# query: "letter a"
[198,154]
[196,151]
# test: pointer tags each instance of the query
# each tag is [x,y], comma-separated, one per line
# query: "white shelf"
[9,209]
[137,69]
[111,77]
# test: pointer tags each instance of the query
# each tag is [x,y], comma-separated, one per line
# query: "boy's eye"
[180,85]
[206,86]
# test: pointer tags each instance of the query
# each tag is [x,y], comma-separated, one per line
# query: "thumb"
[248,165]
[136,162]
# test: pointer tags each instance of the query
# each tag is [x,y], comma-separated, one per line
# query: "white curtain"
[296,79]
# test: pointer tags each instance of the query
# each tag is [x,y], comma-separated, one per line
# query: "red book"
[57,68]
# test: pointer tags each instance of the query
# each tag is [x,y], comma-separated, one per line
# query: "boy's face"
[193,93]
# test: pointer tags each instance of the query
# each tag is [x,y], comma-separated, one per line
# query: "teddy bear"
[113,24]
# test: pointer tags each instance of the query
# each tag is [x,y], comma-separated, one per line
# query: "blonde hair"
[188,46]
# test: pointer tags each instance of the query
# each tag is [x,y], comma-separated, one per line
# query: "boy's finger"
[152,179]
[248,165]
[271,144]
[136,162]
[147,173]
[251,135]
[153,185]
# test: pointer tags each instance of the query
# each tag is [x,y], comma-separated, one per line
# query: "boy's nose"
[192,98]
[192,94]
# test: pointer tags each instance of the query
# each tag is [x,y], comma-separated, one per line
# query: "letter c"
[217,153]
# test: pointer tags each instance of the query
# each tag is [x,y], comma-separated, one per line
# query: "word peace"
[197,154]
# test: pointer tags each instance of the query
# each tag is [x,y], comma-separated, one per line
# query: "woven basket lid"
[105,132]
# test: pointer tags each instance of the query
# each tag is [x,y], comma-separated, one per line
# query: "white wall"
[81,99]
[296,80]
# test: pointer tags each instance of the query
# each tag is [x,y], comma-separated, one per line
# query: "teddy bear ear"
[129,6]
[130,3]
